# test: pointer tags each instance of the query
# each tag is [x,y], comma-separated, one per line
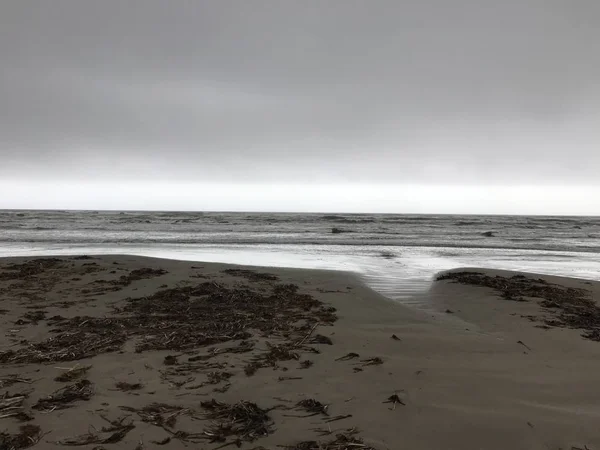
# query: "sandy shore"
[498,362]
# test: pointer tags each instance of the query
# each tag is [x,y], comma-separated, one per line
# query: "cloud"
[431,92]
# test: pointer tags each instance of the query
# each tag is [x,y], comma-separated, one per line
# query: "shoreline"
[457,379]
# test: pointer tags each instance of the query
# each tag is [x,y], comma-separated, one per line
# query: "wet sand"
[140,353]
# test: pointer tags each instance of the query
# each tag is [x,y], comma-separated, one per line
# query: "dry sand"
[474,371]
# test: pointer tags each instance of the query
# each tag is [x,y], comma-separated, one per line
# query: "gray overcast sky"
[462,92]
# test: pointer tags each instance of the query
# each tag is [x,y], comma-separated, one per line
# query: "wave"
[305,242]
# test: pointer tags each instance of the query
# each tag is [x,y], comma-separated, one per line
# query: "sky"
[378,106]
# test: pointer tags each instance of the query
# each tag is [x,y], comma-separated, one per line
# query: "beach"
[130,352]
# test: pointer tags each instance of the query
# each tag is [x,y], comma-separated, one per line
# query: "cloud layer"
[432,92]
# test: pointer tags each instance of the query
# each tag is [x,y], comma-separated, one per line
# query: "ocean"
[397,255]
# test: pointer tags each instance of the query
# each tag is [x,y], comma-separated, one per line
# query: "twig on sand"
[288,378]
[394,399]
[524,345]
[107,435]
[244,420]
[311,406]
[340,417]
[343,441]
[376,361]
[64,397]
[348,356]
[299,344]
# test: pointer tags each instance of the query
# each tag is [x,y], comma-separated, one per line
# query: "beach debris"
[35,316]
[449,311]
[244,346]
[114,433]
[244,420]
[343,441]
[375,361]
[395,338]
[29,268]
[312,406]
[70,345]
[28,436]
[138,274]
[72,373]
[124,386]
[488,234]
[223,388]
[320,339]
[568,307]
[394,399]
[251,274]
[64,397]
[218,376]
[274,354]
[288,378]
[12,406]
[13,378]
[357,369]
[170,360]
[159,414]
[336,418]
[524,345]
[306,364]
[335,230]
[348,356]
[164,441]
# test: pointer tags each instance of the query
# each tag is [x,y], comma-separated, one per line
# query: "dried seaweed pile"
[313,407]
[29,268]
[181,318]
[571,308]
[138,274]
[251,275]
[11,405]
[159,414]
[244,420]
[72,343]
[11,379]
[271,358]
[117,430]
[28,436]
[342,441]
[64,397]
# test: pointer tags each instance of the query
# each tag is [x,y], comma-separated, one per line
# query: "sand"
[471,370]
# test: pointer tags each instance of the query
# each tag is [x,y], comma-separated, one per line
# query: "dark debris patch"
[251,275]
[569,307]
[313,407]
[346,440]
[112,434]
[245,421]
[30,268]
[138,274]
[28,436]
[159,414]
[125,386]
[183,319]
[64,397]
